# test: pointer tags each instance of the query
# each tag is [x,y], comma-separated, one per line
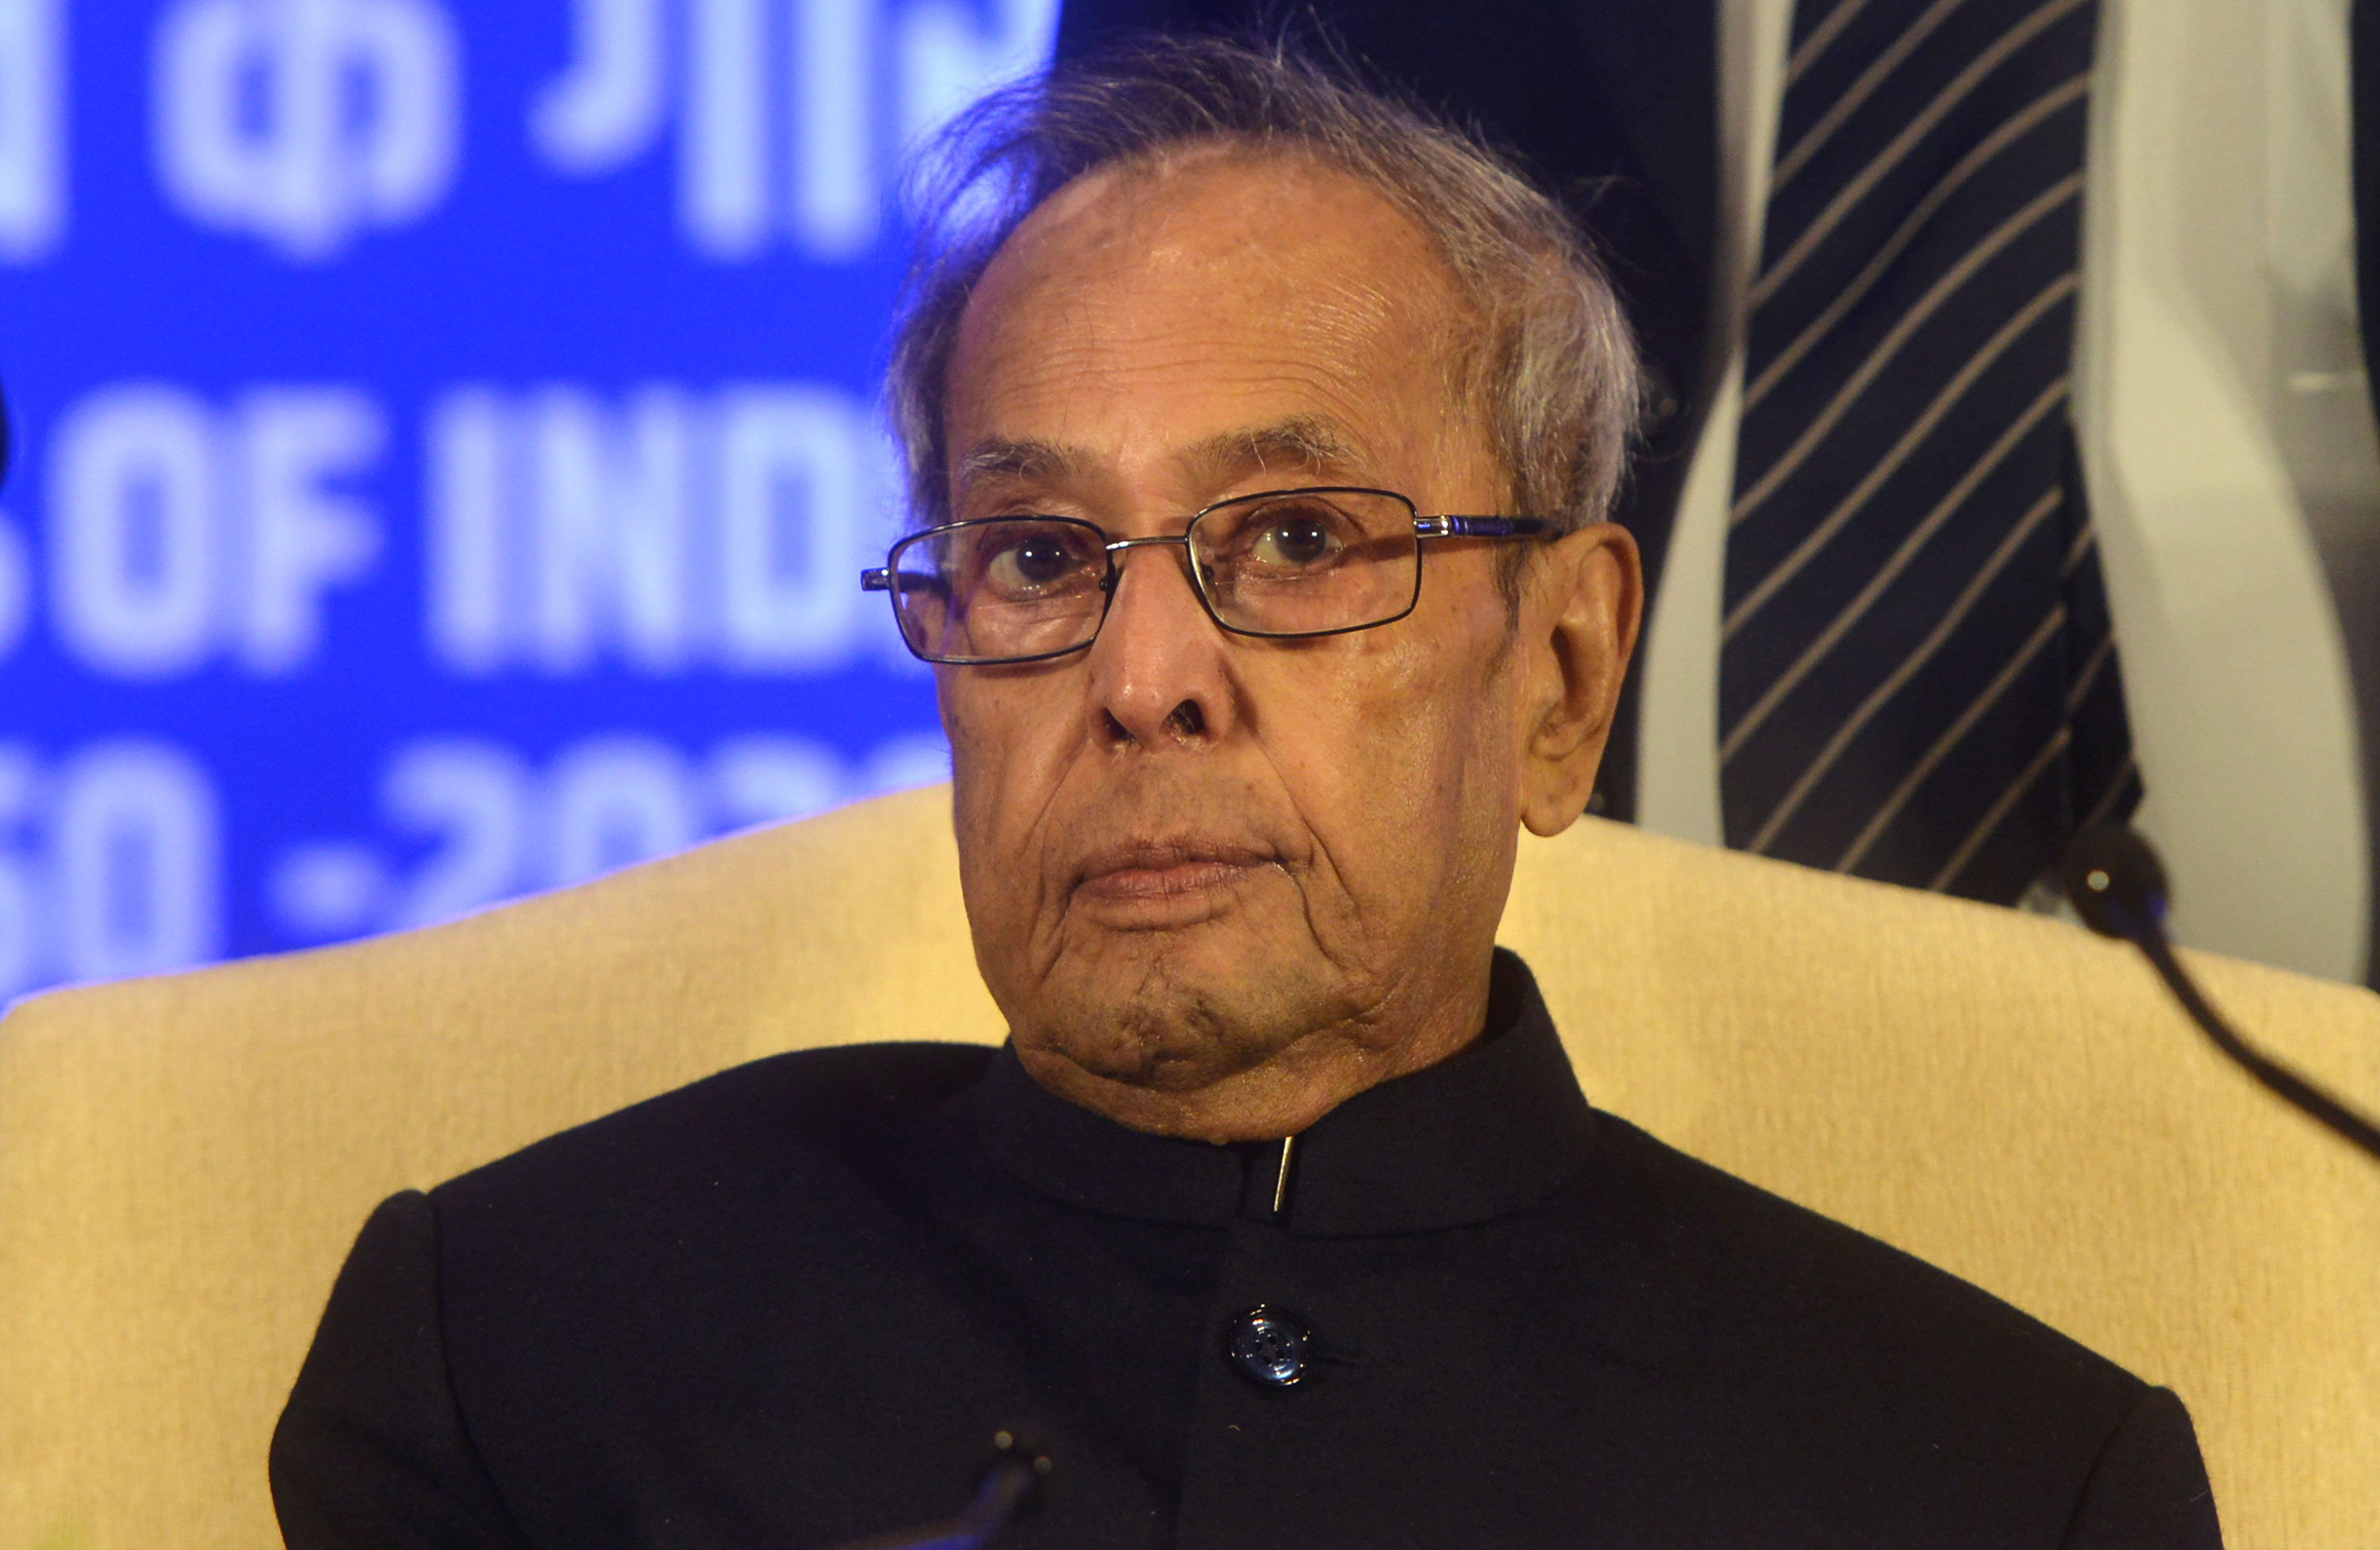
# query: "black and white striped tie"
[1917,680]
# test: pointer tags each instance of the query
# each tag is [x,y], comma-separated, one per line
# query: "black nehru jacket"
[790,1305]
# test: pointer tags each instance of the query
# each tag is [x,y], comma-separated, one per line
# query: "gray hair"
[1551,362]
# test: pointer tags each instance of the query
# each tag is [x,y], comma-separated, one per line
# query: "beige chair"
[184,1160]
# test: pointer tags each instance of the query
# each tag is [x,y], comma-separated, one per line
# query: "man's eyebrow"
[1024,458]
[1305,444]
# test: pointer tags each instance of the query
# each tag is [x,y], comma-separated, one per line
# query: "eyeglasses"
[1283,564]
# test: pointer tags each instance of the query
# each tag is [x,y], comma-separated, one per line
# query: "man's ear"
[1579,615]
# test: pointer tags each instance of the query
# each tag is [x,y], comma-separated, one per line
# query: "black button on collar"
[1270,1346]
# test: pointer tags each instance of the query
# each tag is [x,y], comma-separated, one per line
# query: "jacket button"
[1269,1346]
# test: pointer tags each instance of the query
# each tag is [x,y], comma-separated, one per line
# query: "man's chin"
[1166,1017]
[1157,1044]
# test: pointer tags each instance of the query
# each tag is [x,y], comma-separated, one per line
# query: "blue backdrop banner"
[447,447]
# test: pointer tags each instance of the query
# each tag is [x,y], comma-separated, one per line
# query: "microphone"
[2119,887]
[1008,1488]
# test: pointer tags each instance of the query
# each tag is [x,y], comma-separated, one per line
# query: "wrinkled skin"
[1218,885]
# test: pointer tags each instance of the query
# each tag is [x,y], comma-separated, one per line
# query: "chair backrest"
[184,1160]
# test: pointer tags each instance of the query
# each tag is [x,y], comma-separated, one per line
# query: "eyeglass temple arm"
[878,579]
[1480,527]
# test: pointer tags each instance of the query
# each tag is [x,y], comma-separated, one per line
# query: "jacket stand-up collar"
[1489,1132]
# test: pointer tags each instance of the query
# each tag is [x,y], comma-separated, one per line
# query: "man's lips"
[1156,870]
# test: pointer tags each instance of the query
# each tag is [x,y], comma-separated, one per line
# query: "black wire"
[2289,1086]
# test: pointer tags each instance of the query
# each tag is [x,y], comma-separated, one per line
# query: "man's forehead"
[1229,316]
[1276,221]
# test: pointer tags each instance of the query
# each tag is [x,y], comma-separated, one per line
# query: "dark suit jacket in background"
[789,1306]
[1612,103]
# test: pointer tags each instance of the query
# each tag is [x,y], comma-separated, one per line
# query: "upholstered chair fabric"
[184,1159]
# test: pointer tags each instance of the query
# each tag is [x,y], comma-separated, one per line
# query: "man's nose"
[1157,667]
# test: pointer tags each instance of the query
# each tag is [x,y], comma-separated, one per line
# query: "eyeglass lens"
[1303,563]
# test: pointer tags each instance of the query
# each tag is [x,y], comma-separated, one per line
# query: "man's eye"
[1030,565]
[1293,542]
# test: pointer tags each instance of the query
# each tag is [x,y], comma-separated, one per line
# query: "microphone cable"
[2119,887]
[1006,1489]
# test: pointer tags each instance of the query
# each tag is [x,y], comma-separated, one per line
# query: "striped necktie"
[1917,680]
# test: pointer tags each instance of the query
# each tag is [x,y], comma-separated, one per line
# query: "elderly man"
[1260,435]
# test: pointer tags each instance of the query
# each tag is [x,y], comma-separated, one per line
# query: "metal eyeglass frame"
[880,578]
